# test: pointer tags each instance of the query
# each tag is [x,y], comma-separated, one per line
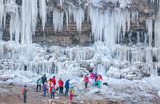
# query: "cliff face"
[70,36]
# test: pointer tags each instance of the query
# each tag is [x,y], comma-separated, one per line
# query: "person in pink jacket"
[86,80]
[92,78]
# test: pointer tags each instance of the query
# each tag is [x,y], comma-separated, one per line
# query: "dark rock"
[105,83]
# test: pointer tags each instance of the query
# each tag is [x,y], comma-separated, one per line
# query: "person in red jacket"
[54,81]
[52,91]
[86,80]
[60,82]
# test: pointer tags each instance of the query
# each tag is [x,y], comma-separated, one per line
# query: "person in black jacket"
[44,78]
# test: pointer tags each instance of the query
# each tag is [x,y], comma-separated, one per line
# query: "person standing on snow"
[67,87]
[54,81]
[44,78]
[52,91]
[86,80]
[92,78]
[49,83]
[45,89]
[95,76]
[71,91]
[39,81]
[60,82]
[25,93]
[98,81]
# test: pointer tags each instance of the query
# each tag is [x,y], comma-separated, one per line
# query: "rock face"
[70,35]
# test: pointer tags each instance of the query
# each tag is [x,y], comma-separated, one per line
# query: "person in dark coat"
[45,89]
[25,93]
[44,78]
[67,87]
[60,82]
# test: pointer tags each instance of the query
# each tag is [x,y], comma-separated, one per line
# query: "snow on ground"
[117,88]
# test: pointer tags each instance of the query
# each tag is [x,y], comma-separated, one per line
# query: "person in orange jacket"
[49,83]
[54,81]
[52,91]
[60,82]
[98,81]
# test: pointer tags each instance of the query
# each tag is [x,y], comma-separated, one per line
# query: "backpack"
[71,90]
[22,90]
[52,89]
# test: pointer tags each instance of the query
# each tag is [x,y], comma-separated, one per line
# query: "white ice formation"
[109,27]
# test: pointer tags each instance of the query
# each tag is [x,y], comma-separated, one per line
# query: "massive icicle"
[58,20]
[78,15]
[150,30]
[29,20]
[43,12]
[157,30]
[1,18]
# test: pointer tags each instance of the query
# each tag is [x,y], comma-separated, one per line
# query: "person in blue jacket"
[67,87]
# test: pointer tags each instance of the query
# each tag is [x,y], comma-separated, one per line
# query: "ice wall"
[109,25]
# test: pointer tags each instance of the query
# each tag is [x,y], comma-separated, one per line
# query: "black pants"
[25,98]
[39,87]
[86,83]
[60,89]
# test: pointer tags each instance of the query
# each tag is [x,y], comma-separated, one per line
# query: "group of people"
[95,79]
[49,85]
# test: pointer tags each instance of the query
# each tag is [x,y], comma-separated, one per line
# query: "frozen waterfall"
[109,28]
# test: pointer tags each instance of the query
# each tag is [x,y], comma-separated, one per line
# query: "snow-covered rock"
[91,65]
[26,80]
[130,76]
[78,71]
[5,77]
[114,73]
[73,82]
[27,74]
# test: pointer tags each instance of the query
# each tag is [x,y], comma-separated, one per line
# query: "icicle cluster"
[29,20]
[156,31]
[23,20]
[2,12]
[58,20]
[78,16]
[107,25]
[43,12]
[150,30]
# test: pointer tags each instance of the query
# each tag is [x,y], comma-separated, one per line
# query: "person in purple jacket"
[95,76]
[45,89]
